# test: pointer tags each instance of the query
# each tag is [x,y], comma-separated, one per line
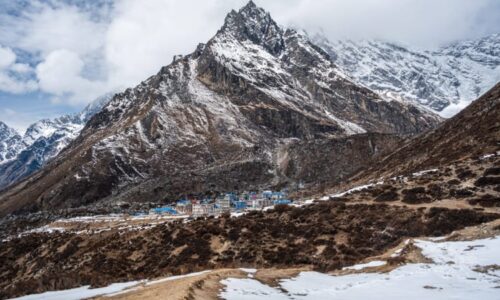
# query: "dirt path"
[205,286]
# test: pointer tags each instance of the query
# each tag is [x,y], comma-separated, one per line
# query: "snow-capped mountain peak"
[444,80]
[43,140]
[10,142]
[256,24]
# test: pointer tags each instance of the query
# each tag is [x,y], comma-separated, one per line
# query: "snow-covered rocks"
[41,142]
[10,143]
[445,79]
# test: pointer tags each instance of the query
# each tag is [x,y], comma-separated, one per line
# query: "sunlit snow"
[460,270]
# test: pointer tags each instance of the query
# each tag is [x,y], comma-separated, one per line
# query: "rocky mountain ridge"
[445,80]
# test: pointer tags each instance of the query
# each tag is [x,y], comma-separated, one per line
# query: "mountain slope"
[219,119]
[473,133]
[43,140]
[445,80]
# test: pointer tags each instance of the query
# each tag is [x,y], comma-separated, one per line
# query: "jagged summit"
[254,23]
[5,129]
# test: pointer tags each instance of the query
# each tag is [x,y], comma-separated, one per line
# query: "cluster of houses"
[230,202]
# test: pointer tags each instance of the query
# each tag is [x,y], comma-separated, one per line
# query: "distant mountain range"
[20,156]
[445,80]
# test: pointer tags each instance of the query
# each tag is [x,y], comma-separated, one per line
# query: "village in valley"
[224,203]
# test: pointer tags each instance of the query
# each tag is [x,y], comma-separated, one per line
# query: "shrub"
[387,196]
[492,171]
[484,181]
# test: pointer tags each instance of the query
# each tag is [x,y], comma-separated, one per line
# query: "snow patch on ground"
[460,270]
[355,189]
[418,174]
[372,264]
[109,291]
[80,293]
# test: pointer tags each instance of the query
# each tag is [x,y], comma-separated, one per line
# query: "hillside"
[473,133]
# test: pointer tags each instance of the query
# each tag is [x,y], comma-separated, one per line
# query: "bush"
[416,196]
[281,208]
[387,196]
[486,201]
[492,171]
[435,191]
[233,234]
[484,181]
[461,193]
[464,174]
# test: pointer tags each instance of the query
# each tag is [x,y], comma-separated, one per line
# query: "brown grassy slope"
[326,236]
[473,132]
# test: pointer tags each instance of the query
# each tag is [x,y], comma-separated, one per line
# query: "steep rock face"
[329,161]
[43,141]
[445,80]
[10,143]
[214,120]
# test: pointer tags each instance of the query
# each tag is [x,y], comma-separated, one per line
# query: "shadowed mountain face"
[255,107]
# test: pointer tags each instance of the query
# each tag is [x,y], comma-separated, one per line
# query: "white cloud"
[423,23]
[14,86]
[21,68]
[12,75]
[7,57]
[453,109]
[42,28]
[85,50]
[144,35]
[61,75]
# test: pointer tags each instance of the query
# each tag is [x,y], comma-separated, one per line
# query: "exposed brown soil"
[201,287]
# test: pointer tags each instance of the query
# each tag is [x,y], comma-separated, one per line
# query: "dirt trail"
[205,286]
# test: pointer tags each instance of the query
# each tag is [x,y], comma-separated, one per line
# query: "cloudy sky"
[57,55]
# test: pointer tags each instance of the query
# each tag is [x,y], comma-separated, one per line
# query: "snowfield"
[460,270]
